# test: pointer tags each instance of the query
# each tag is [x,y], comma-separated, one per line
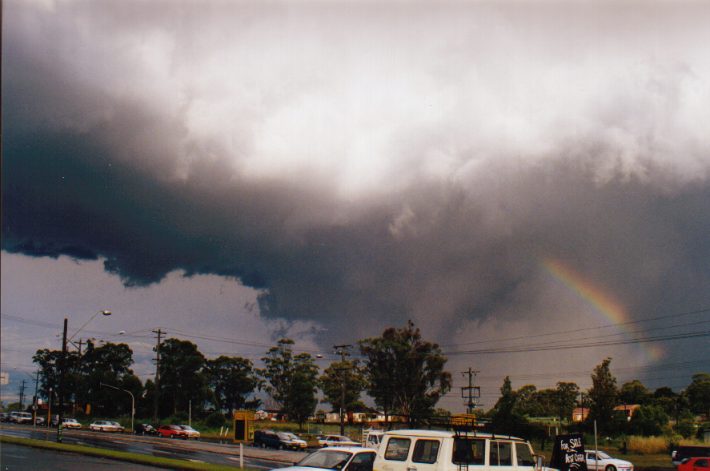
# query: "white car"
[106,426]
[191,432]
[336,458]
[70,423]
[598,461]
[336,440]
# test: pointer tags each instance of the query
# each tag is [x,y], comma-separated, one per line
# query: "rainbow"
[605,304]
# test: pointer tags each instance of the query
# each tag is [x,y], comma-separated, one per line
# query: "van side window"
[523,454]
[425,451]
[468,451]
[500,454]
[397,449]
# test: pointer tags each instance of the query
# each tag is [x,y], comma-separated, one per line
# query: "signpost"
[243,426]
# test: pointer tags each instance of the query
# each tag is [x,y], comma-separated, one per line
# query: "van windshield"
[469,451]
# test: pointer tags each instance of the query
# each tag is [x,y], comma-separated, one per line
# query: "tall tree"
[634,392]
[698,393]
[291,380]
[232,379]
[182,380]
[603,395]
[566,399]
[49,363]
[109,364]
[415,368]
[343,378]
[505,417]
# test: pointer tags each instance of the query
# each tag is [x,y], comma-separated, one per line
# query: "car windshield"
[603,456]
[187,427]
[326,459]
[287,436]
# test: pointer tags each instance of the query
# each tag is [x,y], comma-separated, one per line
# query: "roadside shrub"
[215,419]
[647,445]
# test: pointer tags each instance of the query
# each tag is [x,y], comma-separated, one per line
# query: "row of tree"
[657,409]
[402,373]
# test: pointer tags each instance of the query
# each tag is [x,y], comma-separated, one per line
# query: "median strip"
[137,458]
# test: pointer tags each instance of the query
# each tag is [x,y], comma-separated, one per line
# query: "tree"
[648,420]
[232,379]
[108,364]
[49,362]
[526,402]
[413,368]
[505,417]
[343,376]
[634,392]
[603,395]
[698,393]
[291,380]
[566,399]
[182,379]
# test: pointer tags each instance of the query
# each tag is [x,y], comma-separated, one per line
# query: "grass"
[114,455]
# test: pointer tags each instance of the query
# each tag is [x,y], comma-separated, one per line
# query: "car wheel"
[610,467]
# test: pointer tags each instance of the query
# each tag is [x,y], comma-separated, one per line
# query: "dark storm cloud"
[91,173]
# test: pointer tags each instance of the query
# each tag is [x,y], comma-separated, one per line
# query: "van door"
[425,455]
[395,454]
[500,455]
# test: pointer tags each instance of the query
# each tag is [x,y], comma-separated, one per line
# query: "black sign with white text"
[568,453]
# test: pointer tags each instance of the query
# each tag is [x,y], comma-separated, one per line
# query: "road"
[200,451]
[17,457]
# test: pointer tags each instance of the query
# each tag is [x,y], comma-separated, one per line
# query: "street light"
[133,400]
[105,312]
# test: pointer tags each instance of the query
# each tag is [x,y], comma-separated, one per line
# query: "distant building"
[628,410]
[580,414]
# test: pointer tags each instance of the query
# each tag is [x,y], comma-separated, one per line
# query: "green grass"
[114,455]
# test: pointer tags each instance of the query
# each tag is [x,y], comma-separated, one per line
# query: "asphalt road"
[207,452]
[17,457]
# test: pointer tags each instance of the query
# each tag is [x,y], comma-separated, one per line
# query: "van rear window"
[469,451]
[397,449]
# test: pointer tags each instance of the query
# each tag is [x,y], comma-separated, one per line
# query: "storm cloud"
[363,161]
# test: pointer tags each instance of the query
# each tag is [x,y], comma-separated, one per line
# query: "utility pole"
[62,372]
[156,393]
[22,394]
[342,350]
[34,401]
[471,393]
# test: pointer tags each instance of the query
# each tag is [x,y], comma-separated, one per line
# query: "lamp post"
[62,366]
[133,400]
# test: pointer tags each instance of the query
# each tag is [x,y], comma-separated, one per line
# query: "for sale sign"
[568,454]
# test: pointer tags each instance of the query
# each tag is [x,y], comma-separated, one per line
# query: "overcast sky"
[511,176]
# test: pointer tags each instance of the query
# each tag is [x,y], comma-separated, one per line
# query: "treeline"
[662,411]
[402,373]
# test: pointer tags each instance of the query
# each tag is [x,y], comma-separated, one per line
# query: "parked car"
[437,450]
[171,431]
[39,420]
[191,432]
[106,426]
[689,451]
[70,423]
[145,429]
[597,461]
[21,417]
[4,416]
[694,464]
[279,440]
[337,458]
[336,440]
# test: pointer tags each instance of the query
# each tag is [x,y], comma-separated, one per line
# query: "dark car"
[145,429]
[279,440]
[689,451]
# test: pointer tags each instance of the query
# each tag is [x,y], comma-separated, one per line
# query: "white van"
[433,450]
[373,438]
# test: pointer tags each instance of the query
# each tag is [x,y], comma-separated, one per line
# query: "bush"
[647,445]
[179,418]
[215,419]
